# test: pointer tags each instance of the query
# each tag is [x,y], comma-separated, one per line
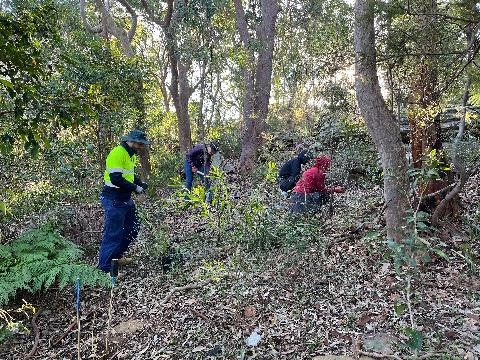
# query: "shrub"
[40,258]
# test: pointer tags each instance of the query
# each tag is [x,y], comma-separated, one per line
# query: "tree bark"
[381,123]
[257,74]
[423,113]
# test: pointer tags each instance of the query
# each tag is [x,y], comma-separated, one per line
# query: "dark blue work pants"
[120,229]
[189,176]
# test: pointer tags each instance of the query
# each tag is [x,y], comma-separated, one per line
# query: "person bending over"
[198,161]
[289,174]
[310,191]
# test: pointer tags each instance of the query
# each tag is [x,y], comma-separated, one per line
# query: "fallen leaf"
[364,319]
[249,312]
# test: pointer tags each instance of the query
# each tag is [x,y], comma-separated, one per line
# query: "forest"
[239,179]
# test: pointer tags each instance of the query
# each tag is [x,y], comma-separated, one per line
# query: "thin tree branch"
[183,288]
[93,29]
[133,14]
[151,14]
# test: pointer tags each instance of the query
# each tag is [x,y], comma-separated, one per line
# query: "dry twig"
[71,327]
[379,356]
[37,335]
[182,288]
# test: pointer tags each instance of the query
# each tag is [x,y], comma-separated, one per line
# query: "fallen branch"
[37,335]
[70,328]
[438,192]
[182,288]
[379,356]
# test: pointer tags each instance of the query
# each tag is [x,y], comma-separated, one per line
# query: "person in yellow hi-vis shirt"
[121,222]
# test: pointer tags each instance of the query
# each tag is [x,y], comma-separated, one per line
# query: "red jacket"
[313,180]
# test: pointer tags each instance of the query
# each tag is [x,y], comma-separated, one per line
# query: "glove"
[139,189]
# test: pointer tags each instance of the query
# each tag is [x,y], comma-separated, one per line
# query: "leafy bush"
[40,258]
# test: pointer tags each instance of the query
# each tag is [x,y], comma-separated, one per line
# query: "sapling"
[408,253]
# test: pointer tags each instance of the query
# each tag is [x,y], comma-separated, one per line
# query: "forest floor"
[333,293]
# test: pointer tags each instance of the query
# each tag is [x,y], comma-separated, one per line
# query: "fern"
[41,258]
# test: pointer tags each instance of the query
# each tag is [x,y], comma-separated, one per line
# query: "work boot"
[125,261]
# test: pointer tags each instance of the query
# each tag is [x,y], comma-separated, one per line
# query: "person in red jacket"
[310,191]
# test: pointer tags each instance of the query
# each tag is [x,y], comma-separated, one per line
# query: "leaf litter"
[331,295]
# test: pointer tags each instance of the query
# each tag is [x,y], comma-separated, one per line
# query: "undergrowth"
[40,258]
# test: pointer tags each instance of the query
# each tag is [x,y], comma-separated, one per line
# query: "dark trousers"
[287,184]
[120,229]
[300,203]
[189,176]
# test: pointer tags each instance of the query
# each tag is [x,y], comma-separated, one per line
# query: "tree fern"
[41,258]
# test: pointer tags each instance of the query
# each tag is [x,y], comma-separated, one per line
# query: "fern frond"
[40,258]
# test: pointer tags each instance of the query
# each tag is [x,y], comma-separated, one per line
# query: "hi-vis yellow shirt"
[120,161]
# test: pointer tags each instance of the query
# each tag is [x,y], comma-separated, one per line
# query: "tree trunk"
[423,98]
[381,123]
[181,92]
[179,87]
[257,77]
[201,117]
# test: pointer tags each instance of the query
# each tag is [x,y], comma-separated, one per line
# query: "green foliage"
[415,339]
[160,244]
[212,270]
[215,204]
[30,52]
[271,172]
[40,258]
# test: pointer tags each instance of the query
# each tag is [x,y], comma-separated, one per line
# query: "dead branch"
[378,355]
[183,288]
[438,192]
[37,335]
[70,328]
[199,314]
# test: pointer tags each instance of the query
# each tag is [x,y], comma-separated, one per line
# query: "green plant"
[215,203]
[214,270]
[160,244]
[271,172]
[40,258]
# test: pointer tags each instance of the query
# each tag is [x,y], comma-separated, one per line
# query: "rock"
[128,327]
[379,343]
[253,339]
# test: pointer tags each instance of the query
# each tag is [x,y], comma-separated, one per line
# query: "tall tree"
[107,26]
[380,122]
[257,74]
[181,21]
